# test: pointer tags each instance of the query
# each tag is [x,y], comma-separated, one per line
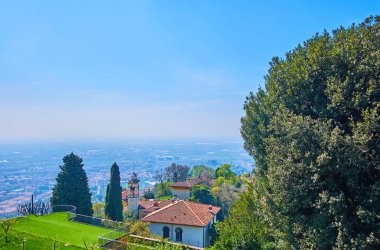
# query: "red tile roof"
[189,183]
[124,194]
[157,205]
[184,213]
[143,204]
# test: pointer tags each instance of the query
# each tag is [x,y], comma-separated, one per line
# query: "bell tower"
[133,193]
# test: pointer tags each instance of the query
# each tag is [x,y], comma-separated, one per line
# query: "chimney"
[155,204]
[210,210]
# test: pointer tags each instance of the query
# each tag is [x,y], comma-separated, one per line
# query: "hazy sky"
[146,69]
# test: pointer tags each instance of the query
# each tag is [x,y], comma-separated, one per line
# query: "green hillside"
[40,232]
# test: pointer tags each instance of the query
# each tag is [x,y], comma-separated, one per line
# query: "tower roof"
[134,178]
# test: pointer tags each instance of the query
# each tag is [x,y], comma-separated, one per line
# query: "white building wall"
[133,204]
[181,194]
[194,236]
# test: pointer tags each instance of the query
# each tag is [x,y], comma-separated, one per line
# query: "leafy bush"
[140,228]
[149,195]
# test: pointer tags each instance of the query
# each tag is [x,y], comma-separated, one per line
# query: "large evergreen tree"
[314,132]
[72,186]
[114,207]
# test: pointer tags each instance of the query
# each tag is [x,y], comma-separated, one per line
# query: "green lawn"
[166,197]
[31,242]
[40,232]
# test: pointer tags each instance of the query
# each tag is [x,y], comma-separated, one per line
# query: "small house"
[183,222]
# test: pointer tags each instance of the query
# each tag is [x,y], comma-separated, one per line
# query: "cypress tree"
[72,186]
[114,207]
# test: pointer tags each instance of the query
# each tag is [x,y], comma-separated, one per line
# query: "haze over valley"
[31,168]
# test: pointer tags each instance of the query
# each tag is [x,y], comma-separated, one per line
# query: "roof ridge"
[190,213]
[163,208]
[193,212]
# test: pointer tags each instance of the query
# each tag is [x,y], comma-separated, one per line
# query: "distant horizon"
[32,168]
[120,141]
[146,69]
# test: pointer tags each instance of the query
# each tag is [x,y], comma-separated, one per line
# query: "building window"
[165,232]
[178,234]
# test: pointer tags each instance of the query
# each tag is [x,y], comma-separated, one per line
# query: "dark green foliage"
[202,194]
[149,195]
[202,171]
[107,193]
[314,132]
[114,207]
[72,186]
[213,233]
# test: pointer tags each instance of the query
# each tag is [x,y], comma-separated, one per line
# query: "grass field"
[40,232]
[163,198]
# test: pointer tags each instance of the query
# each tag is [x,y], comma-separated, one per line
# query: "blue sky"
[146,69]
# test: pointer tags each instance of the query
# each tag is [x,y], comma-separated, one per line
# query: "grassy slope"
[56,226]
[31,242]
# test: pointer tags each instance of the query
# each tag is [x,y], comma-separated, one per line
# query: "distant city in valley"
[28,169]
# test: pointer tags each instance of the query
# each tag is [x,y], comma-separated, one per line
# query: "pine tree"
[114,207]
[72,186]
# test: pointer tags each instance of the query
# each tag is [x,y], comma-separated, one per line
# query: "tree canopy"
[202,194]
[202,171]
[314,132]
[225,172]
[149,195]
[247,225]
[163,189]
[175,173]
[72,186]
